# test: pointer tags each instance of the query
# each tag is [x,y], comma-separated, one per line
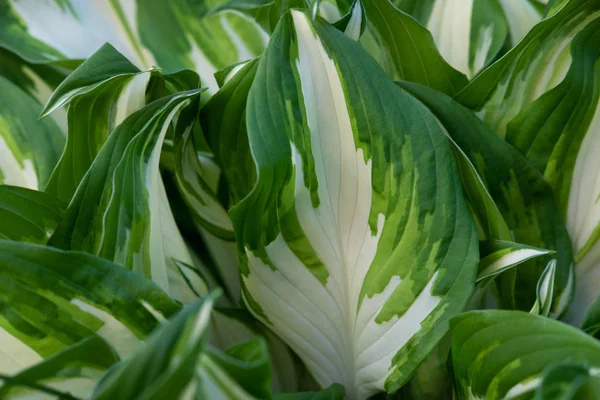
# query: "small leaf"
[498,256]
[545,289]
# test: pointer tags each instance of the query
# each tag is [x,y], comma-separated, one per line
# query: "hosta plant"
[299,199]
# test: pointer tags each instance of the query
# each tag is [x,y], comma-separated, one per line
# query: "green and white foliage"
[29,148]
[177,362]
[525,211]
[164,367]
[172,35]
[120,210]
[353,175]
[179,36]
[406,50]
[358,244]
[498,256]
[51,299]
[545,289]
[99,95]
[548,109]
[471,33]
[505,354]
[37,80]
[69,374]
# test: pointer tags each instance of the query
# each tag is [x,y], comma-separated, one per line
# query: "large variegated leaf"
[29,148]
[406,50]
[51,299]
[71,372]
[550,111]
[120,209]
[503,354]
[28,215]
[358,243]
[522,195]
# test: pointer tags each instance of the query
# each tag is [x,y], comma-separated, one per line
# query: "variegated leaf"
[164,367]
[28,215]
[471,33]
[406,50]
[38,80]
[71,372]
[504,354]
[522,195]
[100,94]
[178,362]
[545,291]
[29,148]
[203,44]
[120,210]
[51,299]
[358,243]
[49,31]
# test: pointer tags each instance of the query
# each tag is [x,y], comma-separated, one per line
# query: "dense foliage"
[299,199]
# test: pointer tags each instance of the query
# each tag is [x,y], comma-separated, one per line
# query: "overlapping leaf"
[120,210]
[406,50]
[543,98]
[523,197]
[470,34]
